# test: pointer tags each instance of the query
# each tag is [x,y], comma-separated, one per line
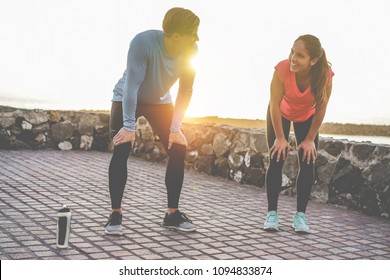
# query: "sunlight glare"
[195,62]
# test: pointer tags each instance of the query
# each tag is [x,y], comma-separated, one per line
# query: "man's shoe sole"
[113,232]
[178,228]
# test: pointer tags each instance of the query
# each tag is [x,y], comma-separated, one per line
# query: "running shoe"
[271,221]
[114,224]
[179,221]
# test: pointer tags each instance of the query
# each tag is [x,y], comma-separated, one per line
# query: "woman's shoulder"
[283,68]
[284,64]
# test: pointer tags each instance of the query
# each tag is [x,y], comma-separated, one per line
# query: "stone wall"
[65,130]
[348,174]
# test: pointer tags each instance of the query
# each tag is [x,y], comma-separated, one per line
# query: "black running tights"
[159,117]
[305,178]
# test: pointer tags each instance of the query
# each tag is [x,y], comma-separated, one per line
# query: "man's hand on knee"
[124,136]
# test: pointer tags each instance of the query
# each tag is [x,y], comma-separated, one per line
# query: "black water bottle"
[63,227]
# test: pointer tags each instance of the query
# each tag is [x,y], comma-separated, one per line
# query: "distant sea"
[360,138]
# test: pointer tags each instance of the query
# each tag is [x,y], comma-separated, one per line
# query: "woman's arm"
[281,146]
[309,150]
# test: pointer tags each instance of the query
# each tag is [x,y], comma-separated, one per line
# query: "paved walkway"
[35,184]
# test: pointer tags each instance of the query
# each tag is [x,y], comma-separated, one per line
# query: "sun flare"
[195,62]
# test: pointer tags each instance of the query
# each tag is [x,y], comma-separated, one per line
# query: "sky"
[69,54]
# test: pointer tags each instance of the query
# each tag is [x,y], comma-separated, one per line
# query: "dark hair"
[320,71]
[181,21]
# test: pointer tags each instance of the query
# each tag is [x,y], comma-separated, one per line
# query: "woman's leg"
[306,171]
[273,180]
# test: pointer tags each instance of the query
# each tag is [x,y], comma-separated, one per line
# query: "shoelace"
[184,218]
[302,220]
[111,219]
[271,218]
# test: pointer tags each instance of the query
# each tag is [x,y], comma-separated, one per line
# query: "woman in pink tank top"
[300,91]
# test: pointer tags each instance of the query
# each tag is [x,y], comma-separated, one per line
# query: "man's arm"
[182,101]
[136,69]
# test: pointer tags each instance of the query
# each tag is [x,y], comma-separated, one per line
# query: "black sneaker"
[178,220]
[114,224]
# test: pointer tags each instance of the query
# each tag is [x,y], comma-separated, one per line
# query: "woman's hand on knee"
[280,149]
[309,151]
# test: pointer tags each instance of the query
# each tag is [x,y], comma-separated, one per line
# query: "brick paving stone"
[336,251]
[22,256]
[305,255]
[152,257]
[379,252]
[224,257]
[203,257]
[307,248]
[76,257]
[351,249]
[200,246]
[9,244]
[160,249]
[351,256]
[320,252]
[99,256]
[14,250]
[274,251]
[211,251]
[35,184]
[382,246]
[271,257]
[289,256]
[171,255]
[193,253]
[45,253]
[378,258]
[181,248]
[151,245]
[121,254]
[234,243]
[37,248]
[228,249]
[262,246]
[322,246]
[290,249]
[111,248]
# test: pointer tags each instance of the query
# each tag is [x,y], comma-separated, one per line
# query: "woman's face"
[300,59]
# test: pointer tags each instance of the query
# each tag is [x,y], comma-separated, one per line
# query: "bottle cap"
[64,209]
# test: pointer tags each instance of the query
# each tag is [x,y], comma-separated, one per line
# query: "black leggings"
[305,178]
[159,118]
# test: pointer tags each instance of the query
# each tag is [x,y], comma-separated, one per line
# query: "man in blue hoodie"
[155,61]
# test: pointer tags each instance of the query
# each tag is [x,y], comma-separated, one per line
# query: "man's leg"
[160,118]
[117,172]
